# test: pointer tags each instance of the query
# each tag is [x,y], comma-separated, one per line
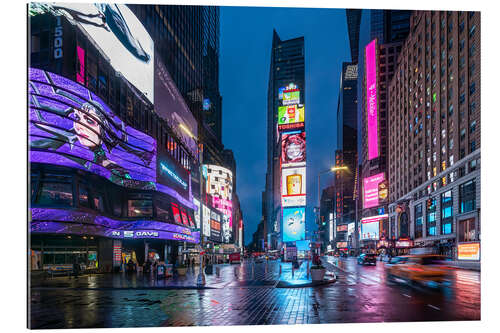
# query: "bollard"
[236,271]
[293,270]
[307,269]
[280,269]
[217,271]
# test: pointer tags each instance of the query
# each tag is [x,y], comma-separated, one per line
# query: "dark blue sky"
[245,51]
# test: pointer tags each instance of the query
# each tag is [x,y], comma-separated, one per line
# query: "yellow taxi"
[426,269]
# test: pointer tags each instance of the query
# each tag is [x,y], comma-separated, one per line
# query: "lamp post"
[201,276]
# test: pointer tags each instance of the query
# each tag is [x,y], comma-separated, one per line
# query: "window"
[54,193]
[446,213]
[431,217]
[419,221]
[98,200]
[140,207]
[472,31]
[473,127]
[472,88]
[472,146]
[467,230]
[467,196]
[83,195]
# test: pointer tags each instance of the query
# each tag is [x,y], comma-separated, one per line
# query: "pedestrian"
[76,269]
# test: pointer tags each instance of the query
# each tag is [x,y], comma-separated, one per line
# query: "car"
[425,270]
[259,259]
[367,258]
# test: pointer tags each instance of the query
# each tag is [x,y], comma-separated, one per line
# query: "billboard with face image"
[70,126]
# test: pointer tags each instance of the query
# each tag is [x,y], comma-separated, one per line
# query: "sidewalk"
[474,266]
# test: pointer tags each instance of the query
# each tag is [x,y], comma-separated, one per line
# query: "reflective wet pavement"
[361,294]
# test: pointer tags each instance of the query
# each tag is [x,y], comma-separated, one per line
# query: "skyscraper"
[287,68]
[353,22]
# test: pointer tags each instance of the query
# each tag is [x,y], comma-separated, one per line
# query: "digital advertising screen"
[294,224]
[293,149]
[469,251]
[226,229]
[371,190]
[197,213]
[293,187]
[370,230]
[290,114]
[70,126]
[303,245]
[372,98]
[215,227]
[170,105]
[341,228]
[172,174]
[176,212]
[120,35]
[291,97]
[206,221]
[219,182]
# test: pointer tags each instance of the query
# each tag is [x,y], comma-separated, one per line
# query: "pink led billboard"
[371,98]
[370,190]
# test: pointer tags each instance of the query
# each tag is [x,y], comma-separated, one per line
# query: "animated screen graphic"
[290,114]
[71,126]
[293,149]
[294,224]
[118,33]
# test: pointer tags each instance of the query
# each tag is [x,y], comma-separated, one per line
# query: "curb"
[125,288]
[308,284]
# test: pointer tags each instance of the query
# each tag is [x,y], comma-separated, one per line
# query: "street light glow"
[339,168]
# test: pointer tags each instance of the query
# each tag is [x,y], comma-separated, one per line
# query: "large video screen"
[370,230]
[206,221]
[293,149]
[290,114]
[226,229]
[120,35]
[291,97]
[170,105]
[294,224]
[70,126]
[371,190]
[293,187]
[371,98]
[219,186]
[172,174]
[215,227]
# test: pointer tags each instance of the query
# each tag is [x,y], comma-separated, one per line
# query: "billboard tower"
[291,126]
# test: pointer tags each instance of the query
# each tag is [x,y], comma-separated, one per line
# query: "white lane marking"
[434,307]
[407,295]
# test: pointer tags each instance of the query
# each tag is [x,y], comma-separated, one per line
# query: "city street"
[361,294]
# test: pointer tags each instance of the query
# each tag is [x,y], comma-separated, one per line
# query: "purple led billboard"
[49,220]
[70,126]
[371,98]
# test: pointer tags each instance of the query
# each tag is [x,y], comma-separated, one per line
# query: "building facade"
[434,134]
[287,67]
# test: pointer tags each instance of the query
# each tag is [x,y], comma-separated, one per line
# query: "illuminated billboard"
[226,229]
[342,227]
[70,126]
[215,227]
[121,37]
[170,105]
[293,187]
[291,97]
[172,174]
[370,229]
[197,214]
[371,194]
[372,99]
[219,186]
[291,117]
[206,221]
[468,251]
[294,224]
[293,149]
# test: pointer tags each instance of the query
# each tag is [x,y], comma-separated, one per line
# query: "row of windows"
[467,203]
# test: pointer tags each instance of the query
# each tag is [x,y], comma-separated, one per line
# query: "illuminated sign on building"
[291,97]
[371,197]
[293,182]
[219,186]
[372,99]
[469,251]
[293,149]
[294,220]
[370,227]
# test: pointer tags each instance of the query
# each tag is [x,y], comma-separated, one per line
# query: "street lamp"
[201,276]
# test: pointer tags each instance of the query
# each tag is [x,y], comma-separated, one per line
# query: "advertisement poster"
[215,227]
[293,183]
[294,224]
[370,230]
[341,228]
[290,114]
[219,186]
[170,105]
[226,229]
[70,126]
[293,149]
[206,221]
[197,212]
[120,35]
[172,174]
[469,251]
[371,98]
[291,97]
[371,190]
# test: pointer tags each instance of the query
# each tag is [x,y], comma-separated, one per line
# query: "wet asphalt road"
[361,294]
